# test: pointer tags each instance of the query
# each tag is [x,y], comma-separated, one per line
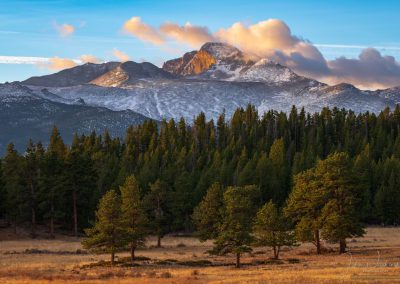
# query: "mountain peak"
[129,72]
[221,50]
[77,75]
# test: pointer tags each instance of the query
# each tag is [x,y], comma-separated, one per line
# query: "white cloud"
[22,60]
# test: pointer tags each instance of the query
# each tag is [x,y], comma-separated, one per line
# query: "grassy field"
[372,259]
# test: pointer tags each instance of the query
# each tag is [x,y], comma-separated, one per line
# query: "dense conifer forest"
[190,177]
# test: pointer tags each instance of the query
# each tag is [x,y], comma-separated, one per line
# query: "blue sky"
[29,28]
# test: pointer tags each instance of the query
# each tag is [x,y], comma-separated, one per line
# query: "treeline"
[60,186]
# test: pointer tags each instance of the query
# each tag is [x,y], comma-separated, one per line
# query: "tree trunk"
[133,248]
[33,213]
[15,224]
[33,224]
[317,241]
[158,241]
[75,213]
[277,250]
[112,257]
[342,246]
[52,219]
[237,260]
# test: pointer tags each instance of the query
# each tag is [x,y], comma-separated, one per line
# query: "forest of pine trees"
[344,166]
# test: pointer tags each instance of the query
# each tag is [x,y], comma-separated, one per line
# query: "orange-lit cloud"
[57,63]
[120,55]
[273,39]
[188,34]
[144,32]
[88,58]
[65,30]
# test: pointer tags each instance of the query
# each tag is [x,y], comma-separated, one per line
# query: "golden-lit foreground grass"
[372,259]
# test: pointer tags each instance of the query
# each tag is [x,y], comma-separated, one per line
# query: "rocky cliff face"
[176,66]
[200,63]
[209,55]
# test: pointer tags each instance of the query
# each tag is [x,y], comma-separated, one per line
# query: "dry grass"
[372,259]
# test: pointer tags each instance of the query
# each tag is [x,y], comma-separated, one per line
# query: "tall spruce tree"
[12,170]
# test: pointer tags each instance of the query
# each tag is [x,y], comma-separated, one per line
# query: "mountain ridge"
[216,78]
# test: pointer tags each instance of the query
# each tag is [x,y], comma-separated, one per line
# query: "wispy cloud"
[88,58]
[120,55]
[64,30]
[57,63]
[134,26]
[22,60]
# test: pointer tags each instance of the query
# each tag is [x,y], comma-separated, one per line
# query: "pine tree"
[12,170]
[51,181]
[133,215]
[304,206]
[271,228]
[79,180]
[108,233]
[340,214]
[157,206]
[207,215]
[234,234]
[32,170]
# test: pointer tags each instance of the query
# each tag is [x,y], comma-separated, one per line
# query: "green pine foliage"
[234,232]
[109,232]
[208,215]
[175,163]
[272,229]
[136,222]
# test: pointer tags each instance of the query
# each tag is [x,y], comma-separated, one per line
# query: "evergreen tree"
[234,234]
[157,206]
[12,170]
[79,181]
[133,215]
[340,214]
[108,233]
[208,214]
[32,169]
[304,206]
[51,181]
[271,228]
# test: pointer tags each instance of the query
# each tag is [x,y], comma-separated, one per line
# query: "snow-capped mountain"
[216,78]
